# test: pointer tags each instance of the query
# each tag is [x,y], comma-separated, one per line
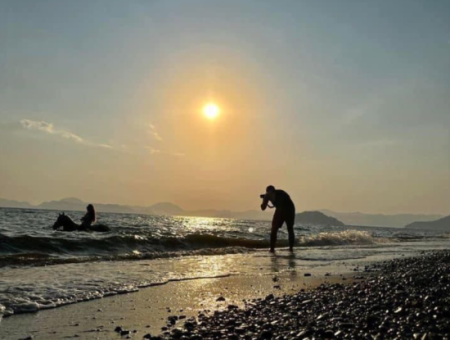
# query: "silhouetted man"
[284,212]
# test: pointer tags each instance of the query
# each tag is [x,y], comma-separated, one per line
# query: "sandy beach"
[147,311]
[403,298]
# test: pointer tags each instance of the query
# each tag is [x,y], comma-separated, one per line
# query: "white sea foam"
[340,238]
[29,289]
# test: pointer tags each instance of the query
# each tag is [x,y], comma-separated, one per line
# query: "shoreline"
[408,298]
[375,301]
[147,310]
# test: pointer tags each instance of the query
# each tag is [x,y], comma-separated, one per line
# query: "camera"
[262,196]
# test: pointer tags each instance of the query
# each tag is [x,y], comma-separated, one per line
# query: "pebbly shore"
[406,298]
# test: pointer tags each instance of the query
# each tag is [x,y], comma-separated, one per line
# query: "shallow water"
[42,268]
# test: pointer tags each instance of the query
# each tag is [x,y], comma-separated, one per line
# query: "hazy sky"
[344,104]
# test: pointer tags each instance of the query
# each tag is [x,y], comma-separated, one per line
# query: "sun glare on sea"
[211,111]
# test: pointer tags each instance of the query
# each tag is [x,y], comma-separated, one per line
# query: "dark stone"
[266,334]
[304,334]
[269,297]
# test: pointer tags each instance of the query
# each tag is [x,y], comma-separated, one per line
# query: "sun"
[211,111]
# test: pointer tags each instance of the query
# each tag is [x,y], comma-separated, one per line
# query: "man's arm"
[265,202]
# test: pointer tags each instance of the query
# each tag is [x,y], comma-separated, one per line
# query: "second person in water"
[284,212]
[89,218]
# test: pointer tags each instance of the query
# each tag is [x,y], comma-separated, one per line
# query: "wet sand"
[147,311]
[406,298]
[358,298]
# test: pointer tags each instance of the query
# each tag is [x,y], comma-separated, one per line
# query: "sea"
[41,268]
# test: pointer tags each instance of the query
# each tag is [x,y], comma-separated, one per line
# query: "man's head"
[270,189]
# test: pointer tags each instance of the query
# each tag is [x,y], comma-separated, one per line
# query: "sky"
[343,104]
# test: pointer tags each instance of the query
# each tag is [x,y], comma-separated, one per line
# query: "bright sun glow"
[211,111]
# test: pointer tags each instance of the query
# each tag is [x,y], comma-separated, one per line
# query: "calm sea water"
[42,268]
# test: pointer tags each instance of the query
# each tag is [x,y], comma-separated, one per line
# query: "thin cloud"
[154,133]
[156,136]
[154,151]
[106,146]
[49,128]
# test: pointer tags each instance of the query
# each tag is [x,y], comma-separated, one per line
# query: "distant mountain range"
[15,204]
[167,208]
[163,208]
[442,224]
[317,218]
[379,220]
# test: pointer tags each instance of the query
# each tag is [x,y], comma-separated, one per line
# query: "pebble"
[398,299]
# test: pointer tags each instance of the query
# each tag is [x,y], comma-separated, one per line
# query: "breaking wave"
[346,237]
[28,250]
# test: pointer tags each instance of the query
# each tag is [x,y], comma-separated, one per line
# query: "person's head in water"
[270,189]
[91,211]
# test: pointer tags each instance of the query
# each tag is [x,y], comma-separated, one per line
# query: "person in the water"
[89,218]
[284,212]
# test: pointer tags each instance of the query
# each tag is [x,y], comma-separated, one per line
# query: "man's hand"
[265,202]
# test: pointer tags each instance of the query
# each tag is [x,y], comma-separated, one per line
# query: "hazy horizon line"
[227,209]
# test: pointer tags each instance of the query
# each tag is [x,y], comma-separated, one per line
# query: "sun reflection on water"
[195,224]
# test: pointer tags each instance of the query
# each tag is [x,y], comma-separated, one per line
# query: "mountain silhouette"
[379,220]
[162,208]
[317,218]
[168,208]
[442,224]
[165,208]
[15,204]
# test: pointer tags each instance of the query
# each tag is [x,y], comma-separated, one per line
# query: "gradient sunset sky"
[344,104]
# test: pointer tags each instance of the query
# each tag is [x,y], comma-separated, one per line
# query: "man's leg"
[277,223]
[290,220]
